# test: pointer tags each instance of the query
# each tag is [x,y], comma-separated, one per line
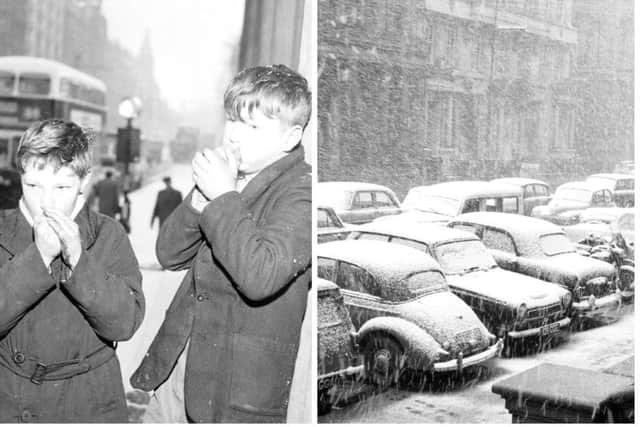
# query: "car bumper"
[348,371]
[548,329]
[460,363]
[598,306]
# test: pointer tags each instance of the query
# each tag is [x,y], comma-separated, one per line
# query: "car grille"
[597,286]
[540,316]
[469,341]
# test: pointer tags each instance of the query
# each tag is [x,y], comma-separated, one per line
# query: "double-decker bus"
[33,89]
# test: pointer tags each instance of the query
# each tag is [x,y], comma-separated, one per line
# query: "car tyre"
[383,360]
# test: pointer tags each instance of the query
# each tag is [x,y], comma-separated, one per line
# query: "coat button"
[26,416]
[18,358]
[202,297]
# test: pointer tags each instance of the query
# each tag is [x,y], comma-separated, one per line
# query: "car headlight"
[521,313]
[566,300]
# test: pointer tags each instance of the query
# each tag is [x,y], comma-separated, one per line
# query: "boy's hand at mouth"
[215,171]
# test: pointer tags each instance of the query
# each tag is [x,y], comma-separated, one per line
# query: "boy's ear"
[85,183]
[291,138]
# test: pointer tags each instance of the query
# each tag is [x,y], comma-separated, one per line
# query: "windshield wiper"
[471,269]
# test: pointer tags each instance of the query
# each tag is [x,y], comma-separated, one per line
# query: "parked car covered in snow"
[330,226]
[534,192]
[542,250]
[622,186]
[511,305]
[338,357]
[405,314]
[571,198]
[357,202]
[603,223]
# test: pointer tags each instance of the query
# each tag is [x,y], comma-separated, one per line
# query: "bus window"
[6,82]
[34,84]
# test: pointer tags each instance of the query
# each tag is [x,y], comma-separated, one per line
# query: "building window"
[451,55]
[424,37]
[440,119]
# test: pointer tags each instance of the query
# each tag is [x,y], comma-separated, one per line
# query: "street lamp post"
[128,148]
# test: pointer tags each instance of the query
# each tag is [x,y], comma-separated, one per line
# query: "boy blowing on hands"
[70,288]
[227,347]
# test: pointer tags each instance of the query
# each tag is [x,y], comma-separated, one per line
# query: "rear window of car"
[426,282]
[463,256]
[556,244]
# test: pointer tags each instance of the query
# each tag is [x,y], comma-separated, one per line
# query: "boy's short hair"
[275,90]
[56,142]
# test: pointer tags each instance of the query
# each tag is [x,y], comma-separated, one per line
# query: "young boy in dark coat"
[244,234]
[70,288]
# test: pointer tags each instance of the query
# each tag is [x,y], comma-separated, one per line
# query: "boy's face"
[47,188]
[259,141]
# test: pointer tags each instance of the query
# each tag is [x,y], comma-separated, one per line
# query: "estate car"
[542,250]
[405,314]
[511,305]
[534,192]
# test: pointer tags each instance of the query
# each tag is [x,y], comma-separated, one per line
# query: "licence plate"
[549,329]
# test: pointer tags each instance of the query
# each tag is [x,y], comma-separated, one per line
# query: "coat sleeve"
[179,238]
[108,290]
[262,259]
[24,281]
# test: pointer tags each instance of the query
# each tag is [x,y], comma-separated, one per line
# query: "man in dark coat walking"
[108,194]
[244,234]
[168,199]
[70,289]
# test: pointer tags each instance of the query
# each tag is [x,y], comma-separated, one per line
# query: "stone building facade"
[603,80]
[415,92]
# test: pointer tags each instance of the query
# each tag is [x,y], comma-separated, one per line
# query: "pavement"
[159,286]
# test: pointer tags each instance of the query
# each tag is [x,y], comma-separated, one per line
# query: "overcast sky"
[192,41]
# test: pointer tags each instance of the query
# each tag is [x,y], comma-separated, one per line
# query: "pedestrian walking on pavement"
[70,289]
[227,347]
[168,199]
[108,194]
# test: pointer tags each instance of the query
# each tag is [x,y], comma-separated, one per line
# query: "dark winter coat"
[60,316]
[108,195]
[168,200]
[242,301]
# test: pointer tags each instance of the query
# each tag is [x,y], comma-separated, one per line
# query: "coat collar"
[16,233]
[264,178]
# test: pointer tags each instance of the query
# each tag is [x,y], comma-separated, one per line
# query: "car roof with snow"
[454,189]
[429,234]
[615,176]
[519,181]
[583,185]
[524,230]
[387,261]
[350,186]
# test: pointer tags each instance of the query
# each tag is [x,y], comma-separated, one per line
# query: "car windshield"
[556,244]
[424,283]
[573,194]
[464,257]
[337,199]
[431,203]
